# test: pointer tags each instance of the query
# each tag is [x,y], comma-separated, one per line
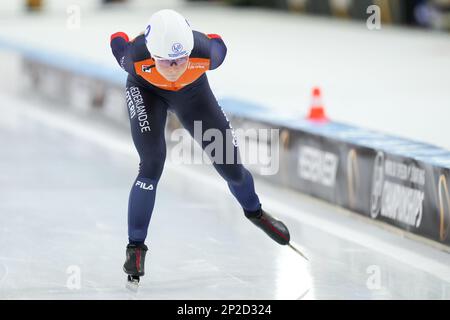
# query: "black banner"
[393,188]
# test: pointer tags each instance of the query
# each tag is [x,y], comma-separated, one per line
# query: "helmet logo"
[178,50]
[177,47]
[147,31]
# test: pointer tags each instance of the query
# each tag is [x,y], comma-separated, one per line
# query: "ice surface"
[64,183]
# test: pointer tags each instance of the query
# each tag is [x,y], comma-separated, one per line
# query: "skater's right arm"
[120,46]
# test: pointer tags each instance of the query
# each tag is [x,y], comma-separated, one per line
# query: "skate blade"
[303,295]
[132,284]
[298,251]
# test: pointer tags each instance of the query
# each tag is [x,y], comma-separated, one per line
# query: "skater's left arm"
[218,50]
[211,46]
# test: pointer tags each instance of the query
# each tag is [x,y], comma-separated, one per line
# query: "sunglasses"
[170,62]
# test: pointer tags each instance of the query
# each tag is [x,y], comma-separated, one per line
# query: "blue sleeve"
[209,46]
[120,47]
[218,51]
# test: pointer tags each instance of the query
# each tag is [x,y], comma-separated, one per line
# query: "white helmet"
[168,35]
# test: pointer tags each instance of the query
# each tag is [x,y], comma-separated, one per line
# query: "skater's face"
[171,69]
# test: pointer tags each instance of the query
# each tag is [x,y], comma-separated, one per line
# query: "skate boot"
[272,227]
[135,262]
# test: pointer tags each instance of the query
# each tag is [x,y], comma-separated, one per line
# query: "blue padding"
[342,132]
[66,62]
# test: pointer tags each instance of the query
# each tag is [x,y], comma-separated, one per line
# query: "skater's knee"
[151,169]
[151,165]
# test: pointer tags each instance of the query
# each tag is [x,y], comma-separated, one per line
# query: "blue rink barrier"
[394,180]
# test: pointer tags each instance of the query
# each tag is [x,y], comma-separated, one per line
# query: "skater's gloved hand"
[119,35]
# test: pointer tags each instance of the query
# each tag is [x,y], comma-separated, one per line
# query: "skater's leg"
[201,106]
[244,190]
[147,113]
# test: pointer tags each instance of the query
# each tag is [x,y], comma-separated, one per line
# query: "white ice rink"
[64,188]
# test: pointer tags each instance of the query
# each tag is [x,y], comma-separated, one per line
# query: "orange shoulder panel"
[147,70]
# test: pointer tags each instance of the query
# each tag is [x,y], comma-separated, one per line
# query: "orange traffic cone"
[34,5]
[317,111]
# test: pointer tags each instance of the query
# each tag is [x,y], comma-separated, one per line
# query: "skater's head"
[171,69]
[169,40]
